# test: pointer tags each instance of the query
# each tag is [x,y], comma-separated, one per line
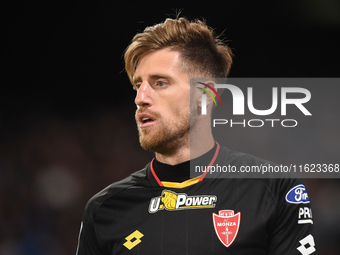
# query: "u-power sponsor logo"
[238,99]
[172,201]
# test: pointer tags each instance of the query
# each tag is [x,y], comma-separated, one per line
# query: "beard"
[168,135]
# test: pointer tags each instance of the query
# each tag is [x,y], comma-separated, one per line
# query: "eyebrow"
[136,79]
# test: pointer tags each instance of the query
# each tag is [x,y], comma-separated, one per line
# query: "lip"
[141,116]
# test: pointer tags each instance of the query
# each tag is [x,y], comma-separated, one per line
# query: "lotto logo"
[133,239]
[308,241]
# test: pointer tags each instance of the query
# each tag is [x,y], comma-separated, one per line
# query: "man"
[161,209]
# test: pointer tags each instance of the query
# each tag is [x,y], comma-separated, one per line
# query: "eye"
[161,83]
[136,86]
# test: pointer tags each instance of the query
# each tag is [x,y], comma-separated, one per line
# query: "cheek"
[183,111]
[178,106]
[178,112]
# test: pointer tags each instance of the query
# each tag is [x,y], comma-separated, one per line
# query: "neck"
[181,155]
[199,145]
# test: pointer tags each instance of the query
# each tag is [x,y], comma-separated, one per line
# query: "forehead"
[163,62]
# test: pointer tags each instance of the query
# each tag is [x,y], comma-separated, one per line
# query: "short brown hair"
[200,49]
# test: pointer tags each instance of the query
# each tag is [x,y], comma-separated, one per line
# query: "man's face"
[163,102]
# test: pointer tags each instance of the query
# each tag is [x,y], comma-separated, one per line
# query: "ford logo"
[297,195]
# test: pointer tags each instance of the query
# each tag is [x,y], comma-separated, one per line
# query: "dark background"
[67,125]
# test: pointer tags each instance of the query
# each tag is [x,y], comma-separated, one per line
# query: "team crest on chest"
[226,225]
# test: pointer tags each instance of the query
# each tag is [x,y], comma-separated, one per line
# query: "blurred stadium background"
[67,126]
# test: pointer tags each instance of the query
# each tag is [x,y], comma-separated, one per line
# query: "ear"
[207,88]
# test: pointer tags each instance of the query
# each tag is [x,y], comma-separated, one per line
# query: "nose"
[143,95]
